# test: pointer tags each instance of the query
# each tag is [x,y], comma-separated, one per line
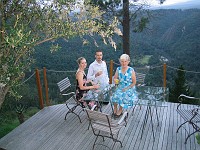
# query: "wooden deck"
[47,130]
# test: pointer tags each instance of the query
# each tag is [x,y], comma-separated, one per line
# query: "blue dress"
[127,98]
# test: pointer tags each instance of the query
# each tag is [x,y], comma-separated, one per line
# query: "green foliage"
[180,86]
[198,138]
[146,43]
[30,112]
[8,126]
[173,34]
[137,18]
[9,121]
[141,24]
[177,50]
[145,60]
[26,24]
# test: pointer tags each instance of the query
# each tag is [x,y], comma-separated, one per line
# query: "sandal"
[117,116]
[113,114]
[82,105]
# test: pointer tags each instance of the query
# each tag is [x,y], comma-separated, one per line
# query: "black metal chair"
[104,126]
[140,78]
[190,116]
[71,102]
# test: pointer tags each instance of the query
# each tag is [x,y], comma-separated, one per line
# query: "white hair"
[124,57]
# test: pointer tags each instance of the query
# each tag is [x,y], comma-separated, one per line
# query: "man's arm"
[90,74]
[106,72]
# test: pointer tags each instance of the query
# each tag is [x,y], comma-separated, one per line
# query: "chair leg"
[189,136]
[111,137]
[115,140]
[196,128]
[78,117]
[157,115]
[71,110]
[133,109]
[95,139]
[103,138]
[118,140]
[113,145]
[181,126]
[89,125]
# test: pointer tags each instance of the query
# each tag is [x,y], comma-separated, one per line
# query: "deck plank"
[47,130]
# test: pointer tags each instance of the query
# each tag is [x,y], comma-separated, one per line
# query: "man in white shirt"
[97,71]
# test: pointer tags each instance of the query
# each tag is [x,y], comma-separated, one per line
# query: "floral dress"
[127,98]
[79,92]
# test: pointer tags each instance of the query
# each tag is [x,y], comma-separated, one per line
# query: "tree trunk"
[20,117]
[126,27]
[3,91]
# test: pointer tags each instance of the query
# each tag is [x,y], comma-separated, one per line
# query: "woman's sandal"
[117,116]
[113,114]
[82,105]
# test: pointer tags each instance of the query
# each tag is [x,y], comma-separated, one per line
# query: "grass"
[9,120]
[8,126]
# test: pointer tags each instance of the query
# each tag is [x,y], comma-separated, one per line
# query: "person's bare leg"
[115,108]
[119,111]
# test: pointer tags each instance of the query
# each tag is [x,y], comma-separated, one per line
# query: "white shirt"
[96,67]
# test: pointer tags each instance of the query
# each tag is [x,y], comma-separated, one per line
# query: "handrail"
[111,71]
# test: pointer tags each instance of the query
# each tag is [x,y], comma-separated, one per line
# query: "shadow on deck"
[47,130]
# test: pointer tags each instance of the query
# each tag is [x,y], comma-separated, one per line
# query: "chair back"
[140,77]
[95,116]
[64,84]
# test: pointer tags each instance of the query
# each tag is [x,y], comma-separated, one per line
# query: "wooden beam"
[46,86]
[39,89]
[111,71]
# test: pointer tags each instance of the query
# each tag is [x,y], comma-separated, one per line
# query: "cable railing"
[48,93]
[146,68]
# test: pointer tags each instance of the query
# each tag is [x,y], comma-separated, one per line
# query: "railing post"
[111,71]
[39,89]
[164,75]
[46,86]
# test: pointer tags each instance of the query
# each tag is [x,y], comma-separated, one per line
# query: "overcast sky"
[169,2]
[172,3]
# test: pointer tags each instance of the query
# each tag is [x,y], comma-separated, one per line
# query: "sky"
[173,3]
[169,2]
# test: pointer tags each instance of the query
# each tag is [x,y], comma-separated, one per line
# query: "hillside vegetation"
[171,35]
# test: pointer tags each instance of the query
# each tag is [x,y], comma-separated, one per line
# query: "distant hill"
[172,34]
[181,5]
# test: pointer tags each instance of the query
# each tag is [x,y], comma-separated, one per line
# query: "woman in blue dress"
[125,93]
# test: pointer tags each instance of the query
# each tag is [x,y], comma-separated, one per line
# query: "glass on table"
[100,71]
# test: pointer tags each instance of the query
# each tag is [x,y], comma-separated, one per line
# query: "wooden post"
[164,75]
[39,89]
[46,86]
[111,71]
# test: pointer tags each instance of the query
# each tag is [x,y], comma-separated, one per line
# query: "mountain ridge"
[181,5]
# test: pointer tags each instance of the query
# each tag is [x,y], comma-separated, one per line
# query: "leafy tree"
[25,24]
[180,86]
[121,9]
